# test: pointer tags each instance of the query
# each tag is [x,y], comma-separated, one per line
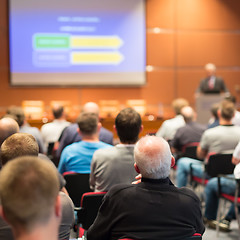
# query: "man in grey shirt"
[221,139]
[114,165]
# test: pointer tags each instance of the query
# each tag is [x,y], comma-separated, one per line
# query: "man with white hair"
[212,83]
[153,209]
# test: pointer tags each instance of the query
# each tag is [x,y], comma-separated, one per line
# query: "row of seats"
[108,108]
[217,165]
[87,202]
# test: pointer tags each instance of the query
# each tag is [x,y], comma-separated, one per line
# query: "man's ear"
[58,206]
[114,128]
[78,130]
[136,168]
[172,161]
[99,126]
[2,213]
[219,113]
[141,129]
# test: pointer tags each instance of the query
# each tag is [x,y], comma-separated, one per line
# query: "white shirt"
[170,126]
[236,154]
[52,131]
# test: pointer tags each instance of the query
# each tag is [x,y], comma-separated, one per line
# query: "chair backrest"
[219,164]
[190,150]
[196,236]
[90,204]
[77,184]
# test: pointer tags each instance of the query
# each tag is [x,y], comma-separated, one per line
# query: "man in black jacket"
[153,209]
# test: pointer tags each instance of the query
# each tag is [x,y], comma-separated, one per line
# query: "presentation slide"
[77,42]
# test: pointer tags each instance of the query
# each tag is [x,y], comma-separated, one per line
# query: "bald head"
[91,107]
[210,69]
[8,126]
[153,157]
[188,114]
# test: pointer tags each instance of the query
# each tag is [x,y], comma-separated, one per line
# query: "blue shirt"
[77,157]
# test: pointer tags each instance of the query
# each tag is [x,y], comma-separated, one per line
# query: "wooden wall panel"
[120,94]
[160,13]
[193,32]
[188,82]
[160,49]
[199,48]
[208,14]
[159,88]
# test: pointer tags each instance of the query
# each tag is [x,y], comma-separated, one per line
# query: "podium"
[204,103]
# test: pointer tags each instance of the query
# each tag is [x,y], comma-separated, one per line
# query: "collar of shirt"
[125,145]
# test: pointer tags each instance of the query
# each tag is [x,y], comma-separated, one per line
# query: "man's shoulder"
[121,188]
[103,145]
[108,151]
[105,131]
[218,129]
[72,127]
[73,146]
[188,193]
[176,119]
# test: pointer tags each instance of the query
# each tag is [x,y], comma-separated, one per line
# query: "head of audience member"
[8,126]
[153,158]
[226,111]
[231,98]
[91,107]
[18,113]
[29,198]
[188,114]
[18,144]
[178,104]
[88,124]
[58,111]
[214,110]
[128,125]
[210,69]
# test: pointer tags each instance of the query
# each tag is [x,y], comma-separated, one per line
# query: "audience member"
[25,127]
[228,186]
[189,133]
[30,202]
[212,83]
[153,209]
[8,126]
[214,120]
[77,157]
[70,134]
[236,118]
[23,144]
[170,126]
[114,165]
[220,139]
[52,131]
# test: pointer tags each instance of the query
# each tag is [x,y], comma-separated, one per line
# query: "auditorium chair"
[77,184]
[233,199]
[196,236]
[216,164]
[87,212]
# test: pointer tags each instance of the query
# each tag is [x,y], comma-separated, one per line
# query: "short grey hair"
[153,157]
